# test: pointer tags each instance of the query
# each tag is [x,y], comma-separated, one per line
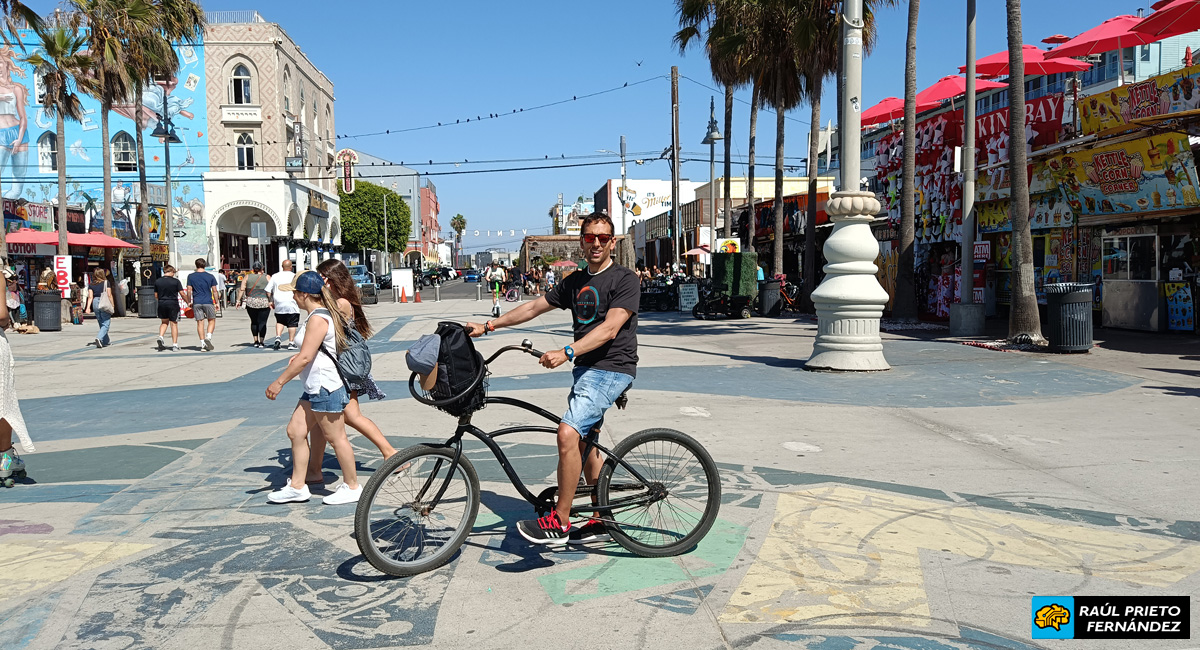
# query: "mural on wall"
[29,172]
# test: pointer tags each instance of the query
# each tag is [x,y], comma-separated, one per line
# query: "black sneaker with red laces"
[593,531]
[544,530]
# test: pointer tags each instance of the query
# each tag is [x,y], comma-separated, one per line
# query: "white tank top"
[321,372]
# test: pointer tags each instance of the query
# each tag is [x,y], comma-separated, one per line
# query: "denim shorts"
[592,393]
[327,402]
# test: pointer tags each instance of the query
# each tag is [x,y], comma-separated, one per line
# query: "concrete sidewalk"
[917,508]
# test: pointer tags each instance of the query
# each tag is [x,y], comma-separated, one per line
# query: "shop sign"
[38,250]
[689,295]
[1181,313]
[983,251]
[317,205]
[347,158]
[1175,94]
[1043,126]
[62,272]
[1147,175]
[40,217]
[160,252]
[729,246]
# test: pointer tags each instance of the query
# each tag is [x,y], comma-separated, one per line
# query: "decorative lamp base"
[850,302]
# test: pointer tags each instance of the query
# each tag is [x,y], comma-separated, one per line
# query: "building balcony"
[241,114]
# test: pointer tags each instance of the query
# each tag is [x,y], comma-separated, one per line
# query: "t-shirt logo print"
[586,304]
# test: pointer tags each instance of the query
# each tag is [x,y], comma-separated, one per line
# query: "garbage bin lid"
[1068,287]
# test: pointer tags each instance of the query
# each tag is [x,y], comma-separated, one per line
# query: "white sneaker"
[289,494]
[162,345]
[292,346]
[175,347]
[208,344]
[342,495]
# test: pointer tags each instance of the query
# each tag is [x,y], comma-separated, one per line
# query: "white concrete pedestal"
[850,301]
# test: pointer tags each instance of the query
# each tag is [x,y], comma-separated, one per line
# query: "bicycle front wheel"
[399,529]
[672,510]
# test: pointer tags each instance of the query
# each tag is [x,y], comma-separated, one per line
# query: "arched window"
[239,86]
[328,123]
[302,101]
[124,153]
[245,151]
[47,153]
[287,90]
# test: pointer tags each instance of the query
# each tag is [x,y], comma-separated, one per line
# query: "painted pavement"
[140,532]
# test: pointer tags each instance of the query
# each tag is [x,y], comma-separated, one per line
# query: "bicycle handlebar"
[526,347]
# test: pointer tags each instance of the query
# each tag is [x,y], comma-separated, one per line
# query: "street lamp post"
[966,316]
[849,301]
[711,140]
[166,131]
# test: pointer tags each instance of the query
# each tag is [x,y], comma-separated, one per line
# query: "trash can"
[147,303]
[768,296]
[47,311]
[1069,316]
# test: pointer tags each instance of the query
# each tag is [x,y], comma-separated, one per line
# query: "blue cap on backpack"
[422,358]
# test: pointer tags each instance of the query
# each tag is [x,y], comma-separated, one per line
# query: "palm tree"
[458,224]
[64,67]
[1023,323]
[108,22]
[904,305]
[150,55]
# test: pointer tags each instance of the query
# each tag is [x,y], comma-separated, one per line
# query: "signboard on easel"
[689,295]
[402,278]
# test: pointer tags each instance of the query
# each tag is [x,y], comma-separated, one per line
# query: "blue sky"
[398,65]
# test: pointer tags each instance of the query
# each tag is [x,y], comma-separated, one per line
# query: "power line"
[739,99]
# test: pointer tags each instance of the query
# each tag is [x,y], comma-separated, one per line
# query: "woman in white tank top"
[324,398]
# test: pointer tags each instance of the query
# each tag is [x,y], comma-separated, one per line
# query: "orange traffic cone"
[402,298]
[417,294]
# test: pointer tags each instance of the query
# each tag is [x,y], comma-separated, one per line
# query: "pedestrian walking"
[324,397]
[11,419]
[253,295]
[222,287]
[167,290]
[549,279]
[200,284]
[13,297]
[341,285]
[100,301]
[287,312]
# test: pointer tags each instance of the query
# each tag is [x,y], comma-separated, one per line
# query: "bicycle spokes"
[670,504]
[404,523]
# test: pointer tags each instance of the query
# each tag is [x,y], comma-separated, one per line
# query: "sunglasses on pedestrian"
[591,238]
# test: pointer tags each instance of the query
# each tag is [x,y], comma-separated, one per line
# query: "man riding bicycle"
[604,302]
[496,278]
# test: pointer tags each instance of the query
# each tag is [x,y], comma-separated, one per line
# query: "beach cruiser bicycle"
[658,492]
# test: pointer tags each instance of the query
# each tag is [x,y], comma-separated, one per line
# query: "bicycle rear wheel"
[682,481]
[396,529]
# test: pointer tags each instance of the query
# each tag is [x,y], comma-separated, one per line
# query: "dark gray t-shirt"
[589,297]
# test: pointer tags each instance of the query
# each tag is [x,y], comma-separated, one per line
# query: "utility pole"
[621,194]
[966,317]
[676,236]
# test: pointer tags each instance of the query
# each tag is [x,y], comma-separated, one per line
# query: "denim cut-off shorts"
[327,402]
[592,393]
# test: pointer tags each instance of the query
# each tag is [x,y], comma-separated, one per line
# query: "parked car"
[471,275]
[431,277]
[361,275]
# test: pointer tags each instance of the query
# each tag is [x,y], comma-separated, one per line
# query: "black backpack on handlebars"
[458,367]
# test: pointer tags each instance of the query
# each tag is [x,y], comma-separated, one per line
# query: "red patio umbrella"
[564,263]
[891,108]
[92,239]
[1112,34]
[1171,19]
[1034,60]
[951,87]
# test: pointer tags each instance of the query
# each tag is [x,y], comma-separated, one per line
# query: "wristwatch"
[570,352]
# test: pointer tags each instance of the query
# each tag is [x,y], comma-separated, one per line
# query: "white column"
[312,259]
[850,301]
[299,264]
[283,253]
[337,256]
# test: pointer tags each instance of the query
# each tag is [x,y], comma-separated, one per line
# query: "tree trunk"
[777,266]
[752,221]
[60,156]
[727,208]
[1023,320]
[810,224]
[143,186]
[904,305]
[105,107]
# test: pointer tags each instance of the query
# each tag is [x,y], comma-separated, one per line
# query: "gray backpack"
[354,363]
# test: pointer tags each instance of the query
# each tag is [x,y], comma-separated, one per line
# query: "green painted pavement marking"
[628,573]
[100,463]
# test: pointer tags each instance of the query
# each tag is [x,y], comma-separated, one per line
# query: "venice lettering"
[1114,172]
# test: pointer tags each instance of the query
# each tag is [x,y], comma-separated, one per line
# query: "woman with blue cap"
[324,398]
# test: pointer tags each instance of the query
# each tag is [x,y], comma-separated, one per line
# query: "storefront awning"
[91,239]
